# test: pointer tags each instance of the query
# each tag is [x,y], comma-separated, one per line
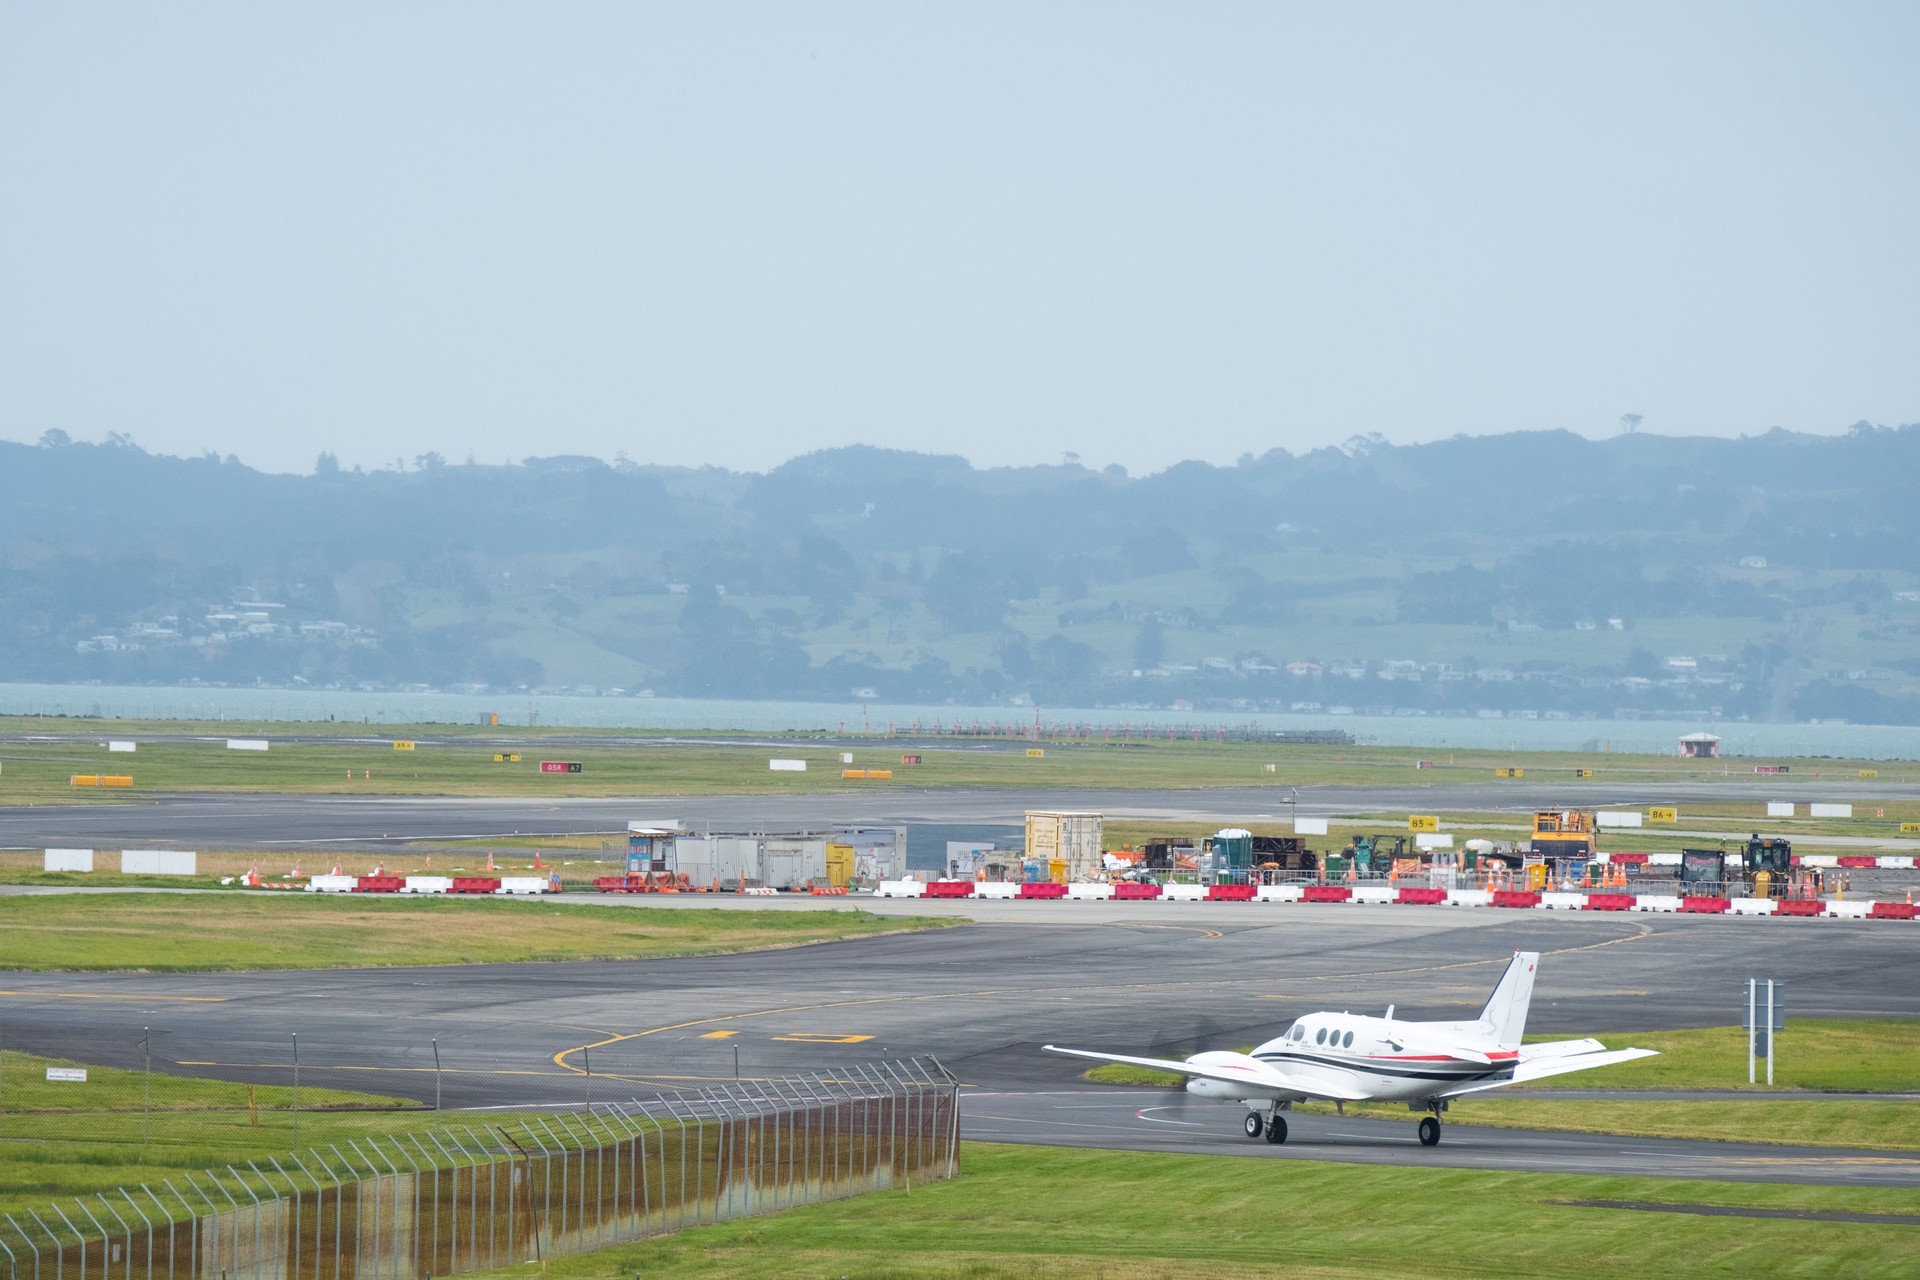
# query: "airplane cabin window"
[1320,1036]
[1348,1042]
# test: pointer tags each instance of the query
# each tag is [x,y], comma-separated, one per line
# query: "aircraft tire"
[1253,1125]
[1429,1132]
[1277,1130]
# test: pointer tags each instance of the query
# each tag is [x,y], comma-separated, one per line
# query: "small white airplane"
[1345,1057]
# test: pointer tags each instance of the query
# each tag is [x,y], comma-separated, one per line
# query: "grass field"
[446,761]
[1839,1055]
[160,933]
[1045,1212]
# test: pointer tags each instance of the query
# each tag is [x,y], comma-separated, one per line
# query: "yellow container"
[116,780]
[839,865]
[86,780]
[1536,877]
[1057,871]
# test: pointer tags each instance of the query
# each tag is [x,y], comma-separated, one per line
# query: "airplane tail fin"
[1505,1016]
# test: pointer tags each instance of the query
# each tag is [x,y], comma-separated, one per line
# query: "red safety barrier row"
[1229,893]
[1043,890]
[1858,860]
[616,884]
[1326,893]
[1129,891]
[475,884]
[1422,897]
[1637,859]
[1515,898]
[1610,902]
[949,889]
[380,884]
[1706,906]
[1893,911]
[1800,907]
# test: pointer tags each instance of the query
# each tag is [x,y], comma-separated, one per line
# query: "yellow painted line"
[718,1035]
[560,1058]
[820,1037]
[90,995]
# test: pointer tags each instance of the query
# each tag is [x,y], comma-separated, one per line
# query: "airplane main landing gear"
[1277,1130]
[1430,1131]
[1273,1126]
[1254,1125]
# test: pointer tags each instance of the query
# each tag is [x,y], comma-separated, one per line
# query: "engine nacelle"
[1205,1087]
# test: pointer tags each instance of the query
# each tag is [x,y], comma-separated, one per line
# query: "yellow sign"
[1583,773]
[1910,828]
[1034,753]
[1869,773]
[402,744]
[1509,773]
[1423,822]
[1663,815]
[499,758]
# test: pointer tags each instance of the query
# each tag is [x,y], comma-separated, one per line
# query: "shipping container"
[1072,838]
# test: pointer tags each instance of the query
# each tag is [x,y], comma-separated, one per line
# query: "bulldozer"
[1769,865]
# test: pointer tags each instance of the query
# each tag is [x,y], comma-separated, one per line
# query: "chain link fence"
[475,1193]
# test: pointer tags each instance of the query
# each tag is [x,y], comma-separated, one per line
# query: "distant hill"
[1775,576]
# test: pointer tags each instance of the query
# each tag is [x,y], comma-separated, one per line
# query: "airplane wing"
[1573,1055]
[1261,1075]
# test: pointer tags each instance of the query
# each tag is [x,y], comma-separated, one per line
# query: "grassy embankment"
[1838,1055]
[1121,1215]
[161,933]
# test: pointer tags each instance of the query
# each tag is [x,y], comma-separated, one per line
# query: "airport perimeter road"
[272,821]
[1156,977]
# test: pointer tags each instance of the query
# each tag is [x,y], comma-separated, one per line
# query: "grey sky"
[710,233]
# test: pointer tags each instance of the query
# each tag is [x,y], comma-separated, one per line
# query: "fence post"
[77,1232]
[162,1210]
[126,1233]
[28,1241]
[13,1269]
[59,1250]
[296,1090]
[146,1085]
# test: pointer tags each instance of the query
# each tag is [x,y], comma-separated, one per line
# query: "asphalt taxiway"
[1163,978]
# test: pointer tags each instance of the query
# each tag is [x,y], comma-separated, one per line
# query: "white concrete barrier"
[1819,859]
[1895,864]
[1849,910]
[1278,893]
[1089,892]
[996,889]
[1373,893]
[1562,901]
[522,886]
[333,884]
[900,889]
[1183,893]
[1469,897]
[1753,907]
[1656,902]
[427,884]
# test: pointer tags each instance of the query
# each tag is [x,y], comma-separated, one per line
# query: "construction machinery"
[1563,835]
[1769,865]
[1702,873]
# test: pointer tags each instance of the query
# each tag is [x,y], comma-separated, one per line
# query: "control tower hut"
[1699,746]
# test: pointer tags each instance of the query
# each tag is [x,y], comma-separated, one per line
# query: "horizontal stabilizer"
[1540,1068]
[1251,1073]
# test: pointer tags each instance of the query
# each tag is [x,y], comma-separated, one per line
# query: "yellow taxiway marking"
[819,1037]
[560,1058]
[92,995]
[718,1035]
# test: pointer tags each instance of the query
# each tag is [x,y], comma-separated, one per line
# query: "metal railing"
[469,1197]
